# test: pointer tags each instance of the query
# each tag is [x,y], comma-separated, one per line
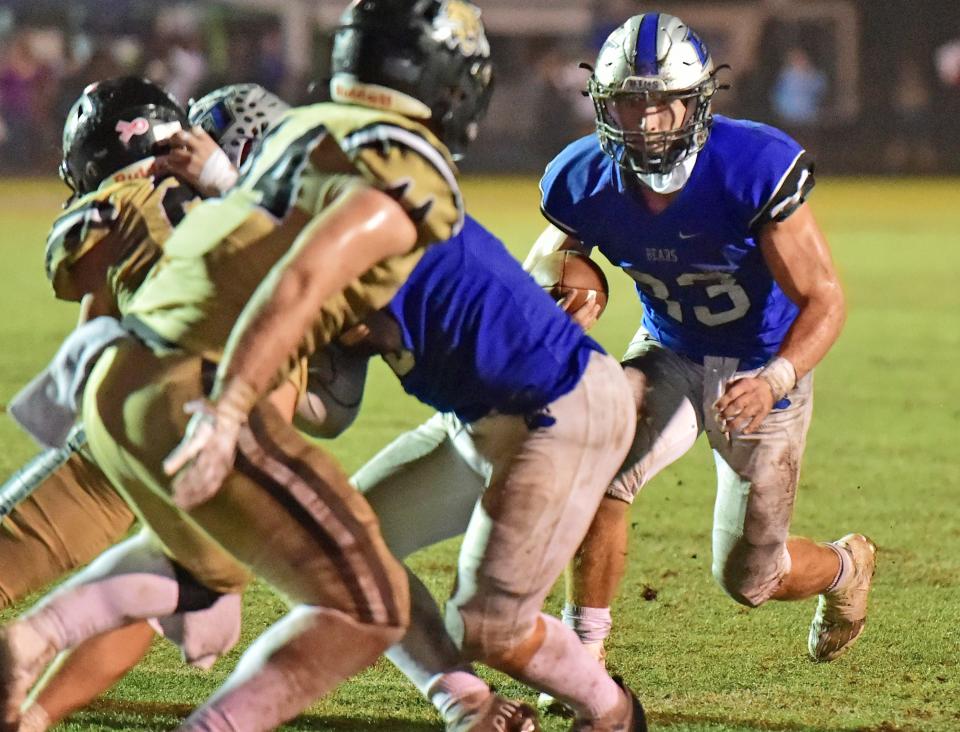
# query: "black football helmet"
[426,59]
[113,124]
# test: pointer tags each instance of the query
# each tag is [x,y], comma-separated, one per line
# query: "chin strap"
[672,181]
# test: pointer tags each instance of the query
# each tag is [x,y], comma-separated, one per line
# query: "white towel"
[47,407]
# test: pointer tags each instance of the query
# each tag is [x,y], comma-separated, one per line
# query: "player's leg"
[287,512]
[129,582]
[755,559]
[292,516]
[665,388]
[548,479]
[72,515]
[204,626]
[423,487]
[78,677]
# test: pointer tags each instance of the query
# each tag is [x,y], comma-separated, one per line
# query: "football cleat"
[499,714]
[841,613]
[634,721]
[547,703]
[24,654]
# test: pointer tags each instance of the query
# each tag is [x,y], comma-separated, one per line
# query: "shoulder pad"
[568,180]
[404,159]
[413,169]
[765,169]
[76,231]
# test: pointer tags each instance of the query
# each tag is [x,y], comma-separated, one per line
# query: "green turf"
[881,459]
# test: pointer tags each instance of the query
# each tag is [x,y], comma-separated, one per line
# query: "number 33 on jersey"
[697,265]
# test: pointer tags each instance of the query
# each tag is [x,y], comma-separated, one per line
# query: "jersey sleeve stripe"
[385,132]
[795,199]
[86,215]
[789,192]
[563,227]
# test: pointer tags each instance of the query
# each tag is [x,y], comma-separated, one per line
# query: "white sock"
[563,668]
[846,567]
[430,659]
[591,624]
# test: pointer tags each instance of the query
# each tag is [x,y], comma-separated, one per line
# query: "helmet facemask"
[622,119]
[236,117]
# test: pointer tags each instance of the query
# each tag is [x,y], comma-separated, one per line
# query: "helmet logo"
[458,26]
[698,46]
[127,130]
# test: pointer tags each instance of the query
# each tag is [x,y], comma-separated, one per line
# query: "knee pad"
[751,574]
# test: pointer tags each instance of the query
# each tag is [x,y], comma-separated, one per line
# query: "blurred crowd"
[43,69]
[194,47]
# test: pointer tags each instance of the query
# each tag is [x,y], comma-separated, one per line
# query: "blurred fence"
[869,87]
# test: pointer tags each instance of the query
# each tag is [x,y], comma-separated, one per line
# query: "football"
[572,278]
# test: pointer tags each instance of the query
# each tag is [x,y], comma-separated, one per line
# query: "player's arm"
[554,239]
[362,228]
[798,256]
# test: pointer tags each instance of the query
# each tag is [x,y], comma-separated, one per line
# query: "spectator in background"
[180,66]
[799,90]
[26,90]
[947,59]
[910,146]
[270,71]
[101,64]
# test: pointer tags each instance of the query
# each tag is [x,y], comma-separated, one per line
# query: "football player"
[708,215]
[549,417]
[363,186]
[59,511]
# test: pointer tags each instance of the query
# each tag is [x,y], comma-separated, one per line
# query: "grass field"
[882,459]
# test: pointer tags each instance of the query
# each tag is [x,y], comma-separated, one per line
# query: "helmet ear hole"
[91,172]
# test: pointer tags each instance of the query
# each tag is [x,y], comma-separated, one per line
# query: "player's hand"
[195,158]
[584,316]
[744,404]
[205,456]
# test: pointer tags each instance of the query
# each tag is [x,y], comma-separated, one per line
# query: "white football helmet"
[653,58]
[236,116]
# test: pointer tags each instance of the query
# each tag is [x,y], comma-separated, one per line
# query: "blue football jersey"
[480,335]
[698,268]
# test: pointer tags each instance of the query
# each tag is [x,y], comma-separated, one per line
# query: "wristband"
[236,400]
[218,174]
[781,375]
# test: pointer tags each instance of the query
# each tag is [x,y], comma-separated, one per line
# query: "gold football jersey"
[126,220]
[225,247]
